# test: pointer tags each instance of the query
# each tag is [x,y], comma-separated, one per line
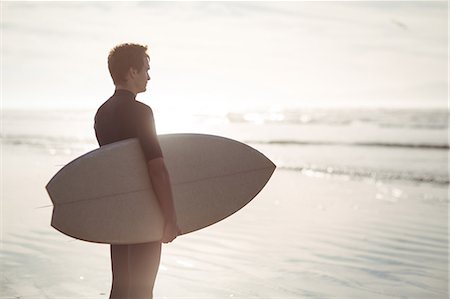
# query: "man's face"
[142,77]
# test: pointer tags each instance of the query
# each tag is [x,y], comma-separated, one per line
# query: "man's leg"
[120,273]
[143,263]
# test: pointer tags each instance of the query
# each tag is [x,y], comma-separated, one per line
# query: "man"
[134,266]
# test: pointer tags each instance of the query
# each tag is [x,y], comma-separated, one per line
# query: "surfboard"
[105,196]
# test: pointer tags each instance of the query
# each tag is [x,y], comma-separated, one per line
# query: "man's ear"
[131,73]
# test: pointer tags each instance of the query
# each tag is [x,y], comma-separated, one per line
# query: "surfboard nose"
[219,176]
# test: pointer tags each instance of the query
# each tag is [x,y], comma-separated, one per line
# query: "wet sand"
[304,236]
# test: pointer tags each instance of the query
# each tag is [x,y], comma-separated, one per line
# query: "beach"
[342,217]
[350,100]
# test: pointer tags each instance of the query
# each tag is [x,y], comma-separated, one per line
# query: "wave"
[443,146]
[71,144]
[49,142]
[68,141]
[373,174]
[431,119]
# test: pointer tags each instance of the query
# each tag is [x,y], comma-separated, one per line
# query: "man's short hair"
[123,57]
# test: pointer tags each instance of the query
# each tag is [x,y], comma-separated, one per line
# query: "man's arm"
[160,180]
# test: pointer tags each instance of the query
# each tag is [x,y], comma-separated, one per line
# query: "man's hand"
[171,231]
[159,177]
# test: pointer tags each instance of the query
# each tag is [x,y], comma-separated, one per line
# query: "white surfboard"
[105,196]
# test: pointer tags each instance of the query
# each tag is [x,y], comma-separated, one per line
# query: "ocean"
[378,144]
[357,208]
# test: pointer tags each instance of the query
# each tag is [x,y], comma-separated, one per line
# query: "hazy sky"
[229,55]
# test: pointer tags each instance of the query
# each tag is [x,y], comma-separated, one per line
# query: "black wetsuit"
[122,117]
[134,266]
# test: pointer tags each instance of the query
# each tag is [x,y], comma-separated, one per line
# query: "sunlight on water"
[184,121]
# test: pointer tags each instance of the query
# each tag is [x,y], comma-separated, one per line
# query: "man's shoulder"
[133,109]
[103,107]
[143,106]
[142,109]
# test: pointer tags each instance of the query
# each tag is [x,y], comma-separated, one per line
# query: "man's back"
[122,117]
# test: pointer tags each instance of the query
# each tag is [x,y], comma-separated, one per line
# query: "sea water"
[385,144]
[357,208]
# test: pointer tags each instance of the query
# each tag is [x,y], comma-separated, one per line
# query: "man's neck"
[126,87]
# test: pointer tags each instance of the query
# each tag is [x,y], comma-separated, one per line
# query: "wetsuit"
[134,266]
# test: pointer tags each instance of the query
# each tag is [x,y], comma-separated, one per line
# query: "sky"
[228,56]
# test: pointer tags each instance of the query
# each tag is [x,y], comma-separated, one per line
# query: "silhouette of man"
[134,266]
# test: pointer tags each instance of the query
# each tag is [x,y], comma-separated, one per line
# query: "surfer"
[134,266]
